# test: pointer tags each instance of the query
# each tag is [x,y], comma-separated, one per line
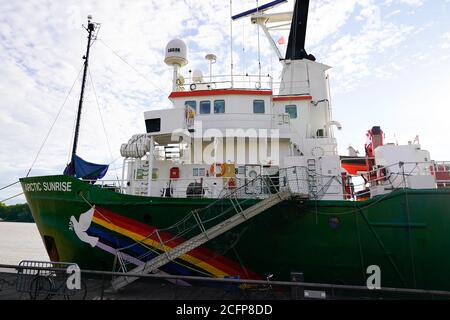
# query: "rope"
[53,124]
[9,185]
[103,123]
[92,206]
[12,197]
[133,68]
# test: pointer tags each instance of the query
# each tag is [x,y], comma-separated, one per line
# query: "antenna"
[212,58]
[260,18]
[91,27]
[259,51]
[231,42]
[176,56]
[258,9]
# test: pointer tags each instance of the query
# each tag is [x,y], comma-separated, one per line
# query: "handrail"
[210,190]
[239,281]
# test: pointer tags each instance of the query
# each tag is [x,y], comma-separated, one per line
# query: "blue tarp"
[86,170]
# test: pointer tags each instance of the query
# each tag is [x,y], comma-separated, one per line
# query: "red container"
[174,173]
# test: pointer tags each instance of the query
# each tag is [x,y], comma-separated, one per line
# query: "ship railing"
[441,170]
[396,176]
[295,179]
[246,82]
[214,82]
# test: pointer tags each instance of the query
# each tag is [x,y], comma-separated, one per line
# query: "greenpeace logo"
[174,50]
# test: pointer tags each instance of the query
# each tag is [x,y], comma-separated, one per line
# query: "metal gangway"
[275,195]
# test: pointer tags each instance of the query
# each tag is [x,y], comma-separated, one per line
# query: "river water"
[20,241]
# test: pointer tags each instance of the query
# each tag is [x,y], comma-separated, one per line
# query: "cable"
[11,197]
[134,69]
[9,185]
[103,123]
[53,124]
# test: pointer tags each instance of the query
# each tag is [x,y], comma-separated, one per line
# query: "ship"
[241,178]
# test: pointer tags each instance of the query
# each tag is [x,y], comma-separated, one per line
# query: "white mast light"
[212,58]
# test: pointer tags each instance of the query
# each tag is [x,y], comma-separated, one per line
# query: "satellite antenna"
[176,56]
[212,58]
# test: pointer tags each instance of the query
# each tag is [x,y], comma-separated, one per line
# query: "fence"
[95,286]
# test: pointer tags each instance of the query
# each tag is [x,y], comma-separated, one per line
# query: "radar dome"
[176,53]
[197,76]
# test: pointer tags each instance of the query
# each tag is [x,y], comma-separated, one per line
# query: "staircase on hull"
[277,194]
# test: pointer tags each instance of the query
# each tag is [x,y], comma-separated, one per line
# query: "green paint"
[406,234]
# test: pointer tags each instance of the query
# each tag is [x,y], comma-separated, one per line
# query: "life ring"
[213,172]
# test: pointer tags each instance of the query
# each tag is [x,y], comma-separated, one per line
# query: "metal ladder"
[205,235]
[312,177]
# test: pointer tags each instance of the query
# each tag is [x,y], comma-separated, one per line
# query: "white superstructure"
[220,133]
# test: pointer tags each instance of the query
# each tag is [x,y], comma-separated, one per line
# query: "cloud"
[42,44]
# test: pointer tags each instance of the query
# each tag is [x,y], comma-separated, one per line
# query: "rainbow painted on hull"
[115,231]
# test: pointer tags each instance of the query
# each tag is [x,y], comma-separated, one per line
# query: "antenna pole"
[90,29]
[259,48]
[231,40]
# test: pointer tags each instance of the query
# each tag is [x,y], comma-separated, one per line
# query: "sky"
[390,64]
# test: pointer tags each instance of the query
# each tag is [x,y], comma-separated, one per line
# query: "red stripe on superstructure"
[208,256]
[292,98]
[220,92]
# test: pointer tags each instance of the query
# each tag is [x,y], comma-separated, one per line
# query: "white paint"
[82,225]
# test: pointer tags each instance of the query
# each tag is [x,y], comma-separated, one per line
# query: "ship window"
[192,104]
[219,106]
[153,125]
[258,106]
[205,107]
[292,111]
[199,172]
[155,174]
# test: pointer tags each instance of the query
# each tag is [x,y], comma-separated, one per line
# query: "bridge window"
[292,111]
[219,106]
[153,125]
[192,104]
[205,107]
[258,106]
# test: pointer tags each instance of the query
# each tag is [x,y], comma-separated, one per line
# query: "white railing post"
[150,166]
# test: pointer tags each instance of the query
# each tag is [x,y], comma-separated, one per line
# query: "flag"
[281,40]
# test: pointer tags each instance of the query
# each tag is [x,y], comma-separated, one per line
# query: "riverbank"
[15,213]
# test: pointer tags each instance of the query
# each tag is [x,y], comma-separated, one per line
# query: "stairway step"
[205,236]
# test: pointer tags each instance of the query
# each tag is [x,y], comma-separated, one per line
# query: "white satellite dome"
[176,53]
[197,76]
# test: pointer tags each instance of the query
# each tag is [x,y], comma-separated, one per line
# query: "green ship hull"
[405,233]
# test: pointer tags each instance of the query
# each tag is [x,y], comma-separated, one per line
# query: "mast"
[296,44]
[90,28]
